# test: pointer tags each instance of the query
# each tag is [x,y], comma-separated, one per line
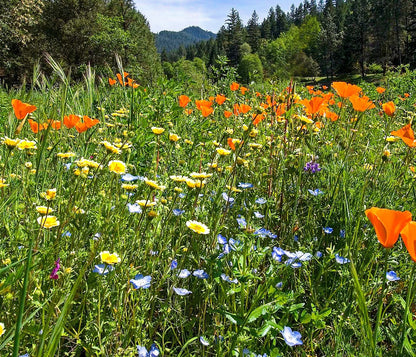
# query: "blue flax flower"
[103,269]
[184,273]
[203,341]
[341,260]
[228,279]
[244,185]
[181,292]
[261,201]
[153,352]
[201,274]
[316,192]
[178,212]
[292,338]
[392,276]
[141,282]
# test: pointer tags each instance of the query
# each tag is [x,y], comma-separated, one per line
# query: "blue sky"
[175,15]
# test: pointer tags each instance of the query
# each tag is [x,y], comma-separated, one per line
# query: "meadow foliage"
[153,221]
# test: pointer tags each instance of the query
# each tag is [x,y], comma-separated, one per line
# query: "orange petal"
[22,109]
[388,224]
[409,238]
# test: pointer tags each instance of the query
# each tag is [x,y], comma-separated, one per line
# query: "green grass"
[250,294]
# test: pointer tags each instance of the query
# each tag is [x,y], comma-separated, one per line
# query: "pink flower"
[54,274]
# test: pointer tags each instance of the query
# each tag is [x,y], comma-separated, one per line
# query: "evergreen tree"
[253,32]
[234,37]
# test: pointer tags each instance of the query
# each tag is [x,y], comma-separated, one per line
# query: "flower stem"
[380,302]
[406,309]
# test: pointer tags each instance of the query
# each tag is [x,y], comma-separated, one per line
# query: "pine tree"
[253,32]
[234,37]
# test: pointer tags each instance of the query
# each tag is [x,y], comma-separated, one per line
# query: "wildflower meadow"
[264,220]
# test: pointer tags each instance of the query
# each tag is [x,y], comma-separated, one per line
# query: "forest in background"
[317,38]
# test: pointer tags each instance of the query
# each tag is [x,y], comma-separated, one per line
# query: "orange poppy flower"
[131,83]
[22,109]
[406,95]
[120,79]
[227,113]
[380,90]
[389,108]
[346,90]
[111,81]
[71,120]
[202,103]
[35,127]
[257,118]
[258,94]
[409,238]
[220,99]
[388,223]
[81,127]
[312,106]
[90,122]
[183,100]
[281,109]
[243,90]
[234,86]
[231,144]
[236,108]
[206,110]
[55,124]
[244,108]
[188,111]
[324,87]
[331,115]
[270,101]
[125,74]
[361,104]
[406,134]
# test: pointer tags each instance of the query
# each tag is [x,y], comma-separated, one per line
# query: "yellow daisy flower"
[109,258]
[48,221]
[197,227]
[118,167]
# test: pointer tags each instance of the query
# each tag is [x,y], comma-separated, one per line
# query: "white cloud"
[175,15]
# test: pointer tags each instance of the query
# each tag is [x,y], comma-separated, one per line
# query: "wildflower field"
[151,221]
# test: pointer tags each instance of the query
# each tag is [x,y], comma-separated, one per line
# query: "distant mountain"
[171,40]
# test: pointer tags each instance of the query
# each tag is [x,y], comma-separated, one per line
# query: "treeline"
[325,38]
[75,33]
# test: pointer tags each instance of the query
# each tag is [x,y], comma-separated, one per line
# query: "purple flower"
[312,167]
[54,274]
[292,338]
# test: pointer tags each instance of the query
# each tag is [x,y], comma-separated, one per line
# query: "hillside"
[172,40]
